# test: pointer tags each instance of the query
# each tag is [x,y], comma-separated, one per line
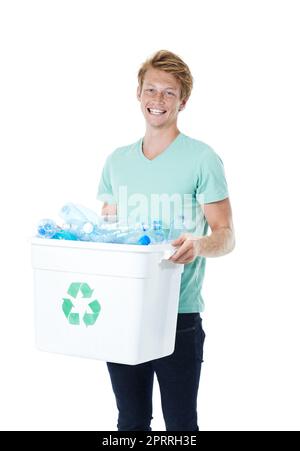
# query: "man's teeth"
[156,111]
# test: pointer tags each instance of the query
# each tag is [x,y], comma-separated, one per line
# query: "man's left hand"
[188,248]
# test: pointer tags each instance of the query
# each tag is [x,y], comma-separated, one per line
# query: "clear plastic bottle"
[177,228]
[113,233]
[47,228]
[118,237]
[137,235]
[156,233]
[65,235]
[76,214]
[84,231]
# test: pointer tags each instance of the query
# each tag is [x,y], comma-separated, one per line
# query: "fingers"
[179,241]
[185,258]
[180,253]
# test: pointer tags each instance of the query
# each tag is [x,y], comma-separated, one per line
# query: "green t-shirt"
[187,174]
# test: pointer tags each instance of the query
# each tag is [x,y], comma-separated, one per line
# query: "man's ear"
[138,93]
[183,103]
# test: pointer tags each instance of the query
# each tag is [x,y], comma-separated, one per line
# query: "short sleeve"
[212,184]
[105,191]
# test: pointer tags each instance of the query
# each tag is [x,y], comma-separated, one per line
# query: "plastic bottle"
[91,232]
[47,228]
[137,238]
[83,231]
[156,234]
[118,237]
[177,228]
[77,214]
[111,233]
[137,235]
[65,235]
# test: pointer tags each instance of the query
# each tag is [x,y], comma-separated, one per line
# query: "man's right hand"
[109,210]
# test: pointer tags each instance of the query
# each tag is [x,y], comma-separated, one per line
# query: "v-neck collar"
[159,156]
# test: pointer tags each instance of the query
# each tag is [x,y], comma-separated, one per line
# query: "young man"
[169,174]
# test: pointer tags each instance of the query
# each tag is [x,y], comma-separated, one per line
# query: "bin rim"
[154,248]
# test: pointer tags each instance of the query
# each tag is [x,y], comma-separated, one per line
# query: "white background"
[68,99]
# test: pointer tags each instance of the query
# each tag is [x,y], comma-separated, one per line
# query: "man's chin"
[156,126]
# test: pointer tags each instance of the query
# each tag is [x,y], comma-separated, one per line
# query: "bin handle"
[168,253]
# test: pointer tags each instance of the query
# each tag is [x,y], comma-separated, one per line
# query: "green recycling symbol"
[77,290]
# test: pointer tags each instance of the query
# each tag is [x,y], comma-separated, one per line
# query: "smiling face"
[160,99]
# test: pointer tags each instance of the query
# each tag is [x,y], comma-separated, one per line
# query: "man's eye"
[170,93]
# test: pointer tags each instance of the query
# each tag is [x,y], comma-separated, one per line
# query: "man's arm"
[220,242]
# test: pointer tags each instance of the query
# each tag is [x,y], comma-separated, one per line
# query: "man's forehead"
[160,79]
[163,85]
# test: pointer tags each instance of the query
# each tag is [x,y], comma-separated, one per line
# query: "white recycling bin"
[112,302]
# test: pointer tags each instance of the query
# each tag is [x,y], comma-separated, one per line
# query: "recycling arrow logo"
[81,293]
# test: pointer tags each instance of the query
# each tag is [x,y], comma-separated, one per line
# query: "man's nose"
[159,95]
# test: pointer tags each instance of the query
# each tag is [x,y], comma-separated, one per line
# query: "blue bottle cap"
[144,240]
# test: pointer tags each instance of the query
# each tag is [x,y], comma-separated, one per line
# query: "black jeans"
[178,376]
